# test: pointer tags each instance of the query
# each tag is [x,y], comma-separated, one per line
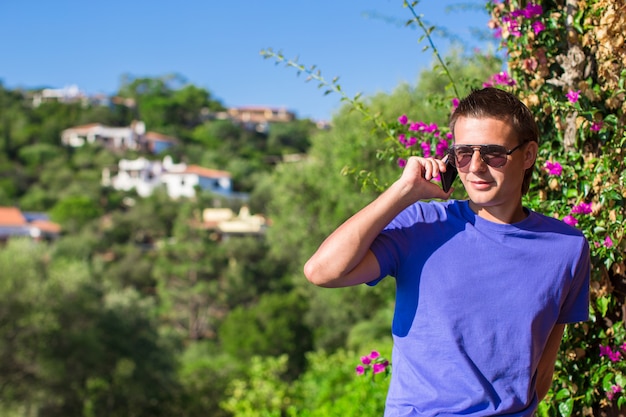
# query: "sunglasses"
[493,155]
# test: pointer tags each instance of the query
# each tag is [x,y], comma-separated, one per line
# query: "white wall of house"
[144,176]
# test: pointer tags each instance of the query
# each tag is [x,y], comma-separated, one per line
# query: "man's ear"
[530,154]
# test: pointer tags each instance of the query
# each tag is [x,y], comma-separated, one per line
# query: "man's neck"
[508,215]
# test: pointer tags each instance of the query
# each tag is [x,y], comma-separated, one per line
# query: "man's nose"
[477,163]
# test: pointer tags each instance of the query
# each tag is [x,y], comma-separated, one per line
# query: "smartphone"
[447,178]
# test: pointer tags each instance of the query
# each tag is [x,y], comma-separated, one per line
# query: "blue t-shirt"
[475,304]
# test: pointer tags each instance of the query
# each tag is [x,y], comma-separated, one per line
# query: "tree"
[68,349]
[272,327]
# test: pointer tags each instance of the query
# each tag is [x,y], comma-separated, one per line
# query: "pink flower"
[403,119]
[365,360]
[500,78]
[378,368]
[609,244]
[538,27]
[442,147]
[360,370]
[582,208]
[608,352]
[402,138]
[426,148]
[533,10]
[571,220]
[615,389]
[431,128]
[553,168]
[401,162]
[596,126]
[374,354]
[455,103]
[573,96]
[417,126]
[604,350]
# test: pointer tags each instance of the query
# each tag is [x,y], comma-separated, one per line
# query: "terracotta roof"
[46,226]
[11,216]
[206,172]
[159,136]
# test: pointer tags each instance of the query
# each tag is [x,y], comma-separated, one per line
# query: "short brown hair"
[498,104]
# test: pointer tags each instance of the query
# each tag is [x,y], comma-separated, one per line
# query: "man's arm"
[545,370]
[344,258]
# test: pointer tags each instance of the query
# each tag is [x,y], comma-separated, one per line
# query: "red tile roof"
[11,216]
[206,172]
[159,136]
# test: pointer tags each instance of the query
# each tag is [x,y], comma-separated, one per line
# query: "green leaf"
[563,393]
[565,408]
[603,305]
[607,382]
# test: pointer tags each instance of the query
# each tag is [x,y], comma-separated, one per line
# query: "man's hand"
[416,179]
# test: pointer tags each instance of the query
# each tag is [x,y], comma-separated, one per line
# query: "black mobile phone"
[447,178]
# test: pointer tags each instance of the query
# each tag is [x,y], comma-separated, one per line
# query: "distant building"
[224,222]
[133,137]
[68,94]
[15,223]
[255,117]
[179,180]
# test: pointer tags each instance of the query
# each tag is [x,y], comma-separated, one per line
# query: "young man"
[484,287]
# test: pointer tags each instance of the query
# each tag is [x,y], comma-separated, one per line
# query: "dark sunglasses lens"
[462,155]
[494,155]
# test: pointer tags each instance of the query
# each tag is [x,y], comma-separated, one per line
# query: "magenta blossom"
[500,78]
[553,168]
[403,119]
[615,389]
[608,242]
[610,354]
[455,103]
[426,148]
[365,360]
[582,208]
[379,367]
[596,126]
[401,162]
[442,147]
[374,355]
[573,96]
[538,27]
[571,220]
[532,10]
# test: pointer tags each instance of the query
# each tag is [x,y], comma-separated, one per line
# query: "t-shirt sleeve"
[575,307]
[383,250]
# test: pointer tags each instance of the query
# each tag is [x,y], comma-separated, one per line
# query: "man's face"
[494,192]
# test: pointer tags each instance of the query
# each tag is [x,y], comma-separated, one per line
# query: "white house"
[110,137]
[132,137]
[179,180]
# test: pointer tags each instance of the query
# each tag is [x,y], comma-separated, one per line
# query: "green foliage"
[67,349]
[75,211]
[328,387]
[273,327]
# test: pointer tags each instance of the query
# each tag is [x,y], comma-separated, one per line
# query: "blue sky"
[216,44]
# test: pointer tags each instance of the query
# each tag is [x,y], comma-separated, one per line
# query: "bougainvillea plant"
[566,60]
